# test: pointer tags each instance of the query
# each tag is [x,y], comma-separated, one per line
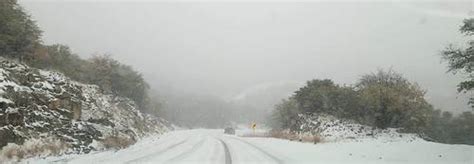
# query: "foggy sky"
[222,49]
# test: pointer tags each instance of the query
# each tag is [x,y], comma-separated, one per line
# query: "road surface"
[212,146]
[186,146]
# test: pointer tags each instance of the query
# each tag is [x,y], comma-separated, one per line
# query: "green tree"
[285,115]
[393,101]
[323,96]
[19,34]
[462,129]
[130,83]
[101,72]
[60,58]
[118,79]
[446,128]
[20,39]
[437,125]
[462,60]
[317,96]
[348,105]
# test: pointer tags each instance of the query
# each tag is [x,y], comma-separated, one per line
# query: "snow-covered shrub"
[293,136]
[310,138]
[117,142]
[333,129]
[34,147]
[384,99]
[282,134]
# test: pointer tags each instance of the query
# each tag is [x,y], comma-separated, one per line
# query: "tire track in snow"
[163,140]
[279,161]
[161,151]
[187,152]
[228,159]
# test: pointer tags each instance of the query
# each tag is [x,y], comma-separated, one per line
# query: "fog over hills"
[216,49]
[265,96]
[237,81]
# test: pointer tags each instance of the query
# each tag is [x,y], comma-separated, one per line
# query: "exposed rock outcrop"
[38,104]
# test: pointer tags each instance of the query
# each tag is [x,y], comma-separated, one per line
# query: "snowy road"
[187,146]
[211,146]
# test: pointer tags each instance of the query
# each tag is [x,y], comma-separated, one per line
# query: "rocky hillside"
[37,104]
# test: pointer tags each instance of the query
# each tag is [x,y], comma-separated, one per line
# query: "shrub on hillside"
[110,75]
[19,34]
[288,135]
[392,101]
[34,147]
[293,136]
[117,142]
[285,115]
[20,38]
[383,99]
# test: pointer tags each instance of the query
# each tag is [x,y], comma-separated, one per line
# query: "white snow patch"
[5,100]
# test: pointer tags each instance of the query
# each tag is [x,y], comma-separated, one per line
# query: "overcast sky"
[221,49]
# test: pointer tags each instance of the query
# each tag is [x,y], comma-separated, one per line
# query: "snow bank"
[333,129]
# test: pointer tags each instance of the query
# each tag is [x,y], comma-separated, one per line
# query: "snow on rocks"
[37,103]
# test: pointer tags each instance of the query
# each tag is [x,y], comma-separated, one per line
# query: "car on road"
[229,130]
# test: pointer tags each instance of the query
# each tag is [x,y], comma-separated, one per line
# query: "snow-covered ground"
[211,146]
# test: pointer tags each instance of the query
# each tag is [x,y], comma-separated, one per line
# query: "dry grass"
[117,142]
[310,138]
[254,135]
[285,134]
[34,147]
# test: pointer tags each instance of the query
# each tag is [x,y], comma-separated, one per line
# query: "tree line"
[386,99]
[20,39]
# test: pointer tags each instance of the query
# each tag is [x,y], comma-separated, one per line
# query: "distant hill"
[263,97]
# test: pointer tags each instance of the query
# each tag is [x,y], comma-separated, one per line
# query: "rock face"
[36,103]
